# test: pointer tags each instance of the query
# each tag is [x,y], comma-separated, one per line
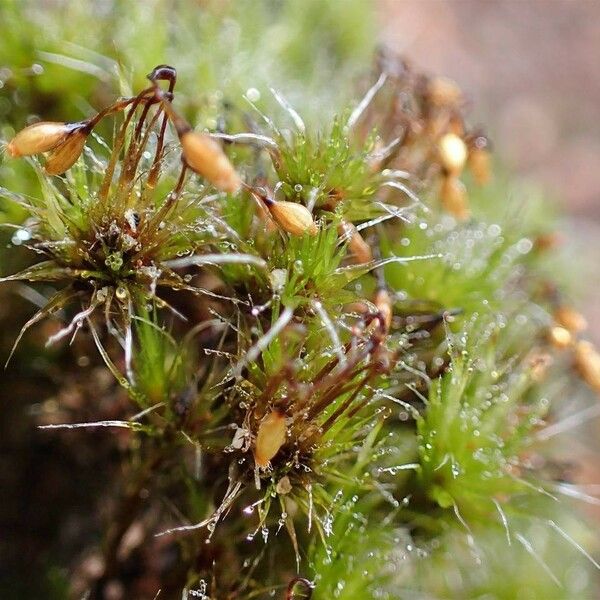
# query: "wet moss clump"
[281,356]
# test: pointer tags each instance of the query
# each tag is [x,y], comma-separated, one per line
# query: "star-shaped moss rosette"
[110,226]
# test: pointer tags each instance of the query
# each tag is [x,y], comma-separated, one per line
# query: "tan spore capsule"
[65,155]
[480,164]
[39,137]
[360,250]
[456,125]
[560,337]
[292,217]
[206,157]
[454,198]
[444,92]
[587,361]
[570,319]
[453,153]
[264,213]
[271,436]
[547,241]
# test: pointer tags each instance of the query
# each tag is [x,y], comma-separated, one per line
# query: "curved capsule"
[454,198]
[206,157]
[453,153]
[271,436]
[39,137]
[570,319]
[444,92]
[292,217]
[480,165]
[587,361]
[360,250]
[65,155]
[560,337]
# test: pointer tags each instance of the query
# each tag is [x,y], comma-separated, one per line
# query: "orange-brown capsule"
[39,137]
[206,157]
[570,319]
[434,126]
[456,125]
[292,217]
[383,302]
[444,92]
[560,337]
[453,153]
[271,436]
[547,241]
[334,197]
[480,165]
[64,156]
[360,250]
[263,211]
[587,361]
[454,198]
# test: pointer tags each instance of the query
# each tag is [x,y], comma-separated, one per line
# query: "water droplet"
[524,245]
[20,236]
[299,267]
[265,534]
[253,94]
[494,230]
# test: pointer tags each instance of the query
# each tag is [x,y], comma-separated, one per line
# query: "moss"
[401,394]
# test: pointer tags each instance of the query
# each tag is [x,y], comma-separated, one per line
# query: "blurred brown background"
[532,71]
